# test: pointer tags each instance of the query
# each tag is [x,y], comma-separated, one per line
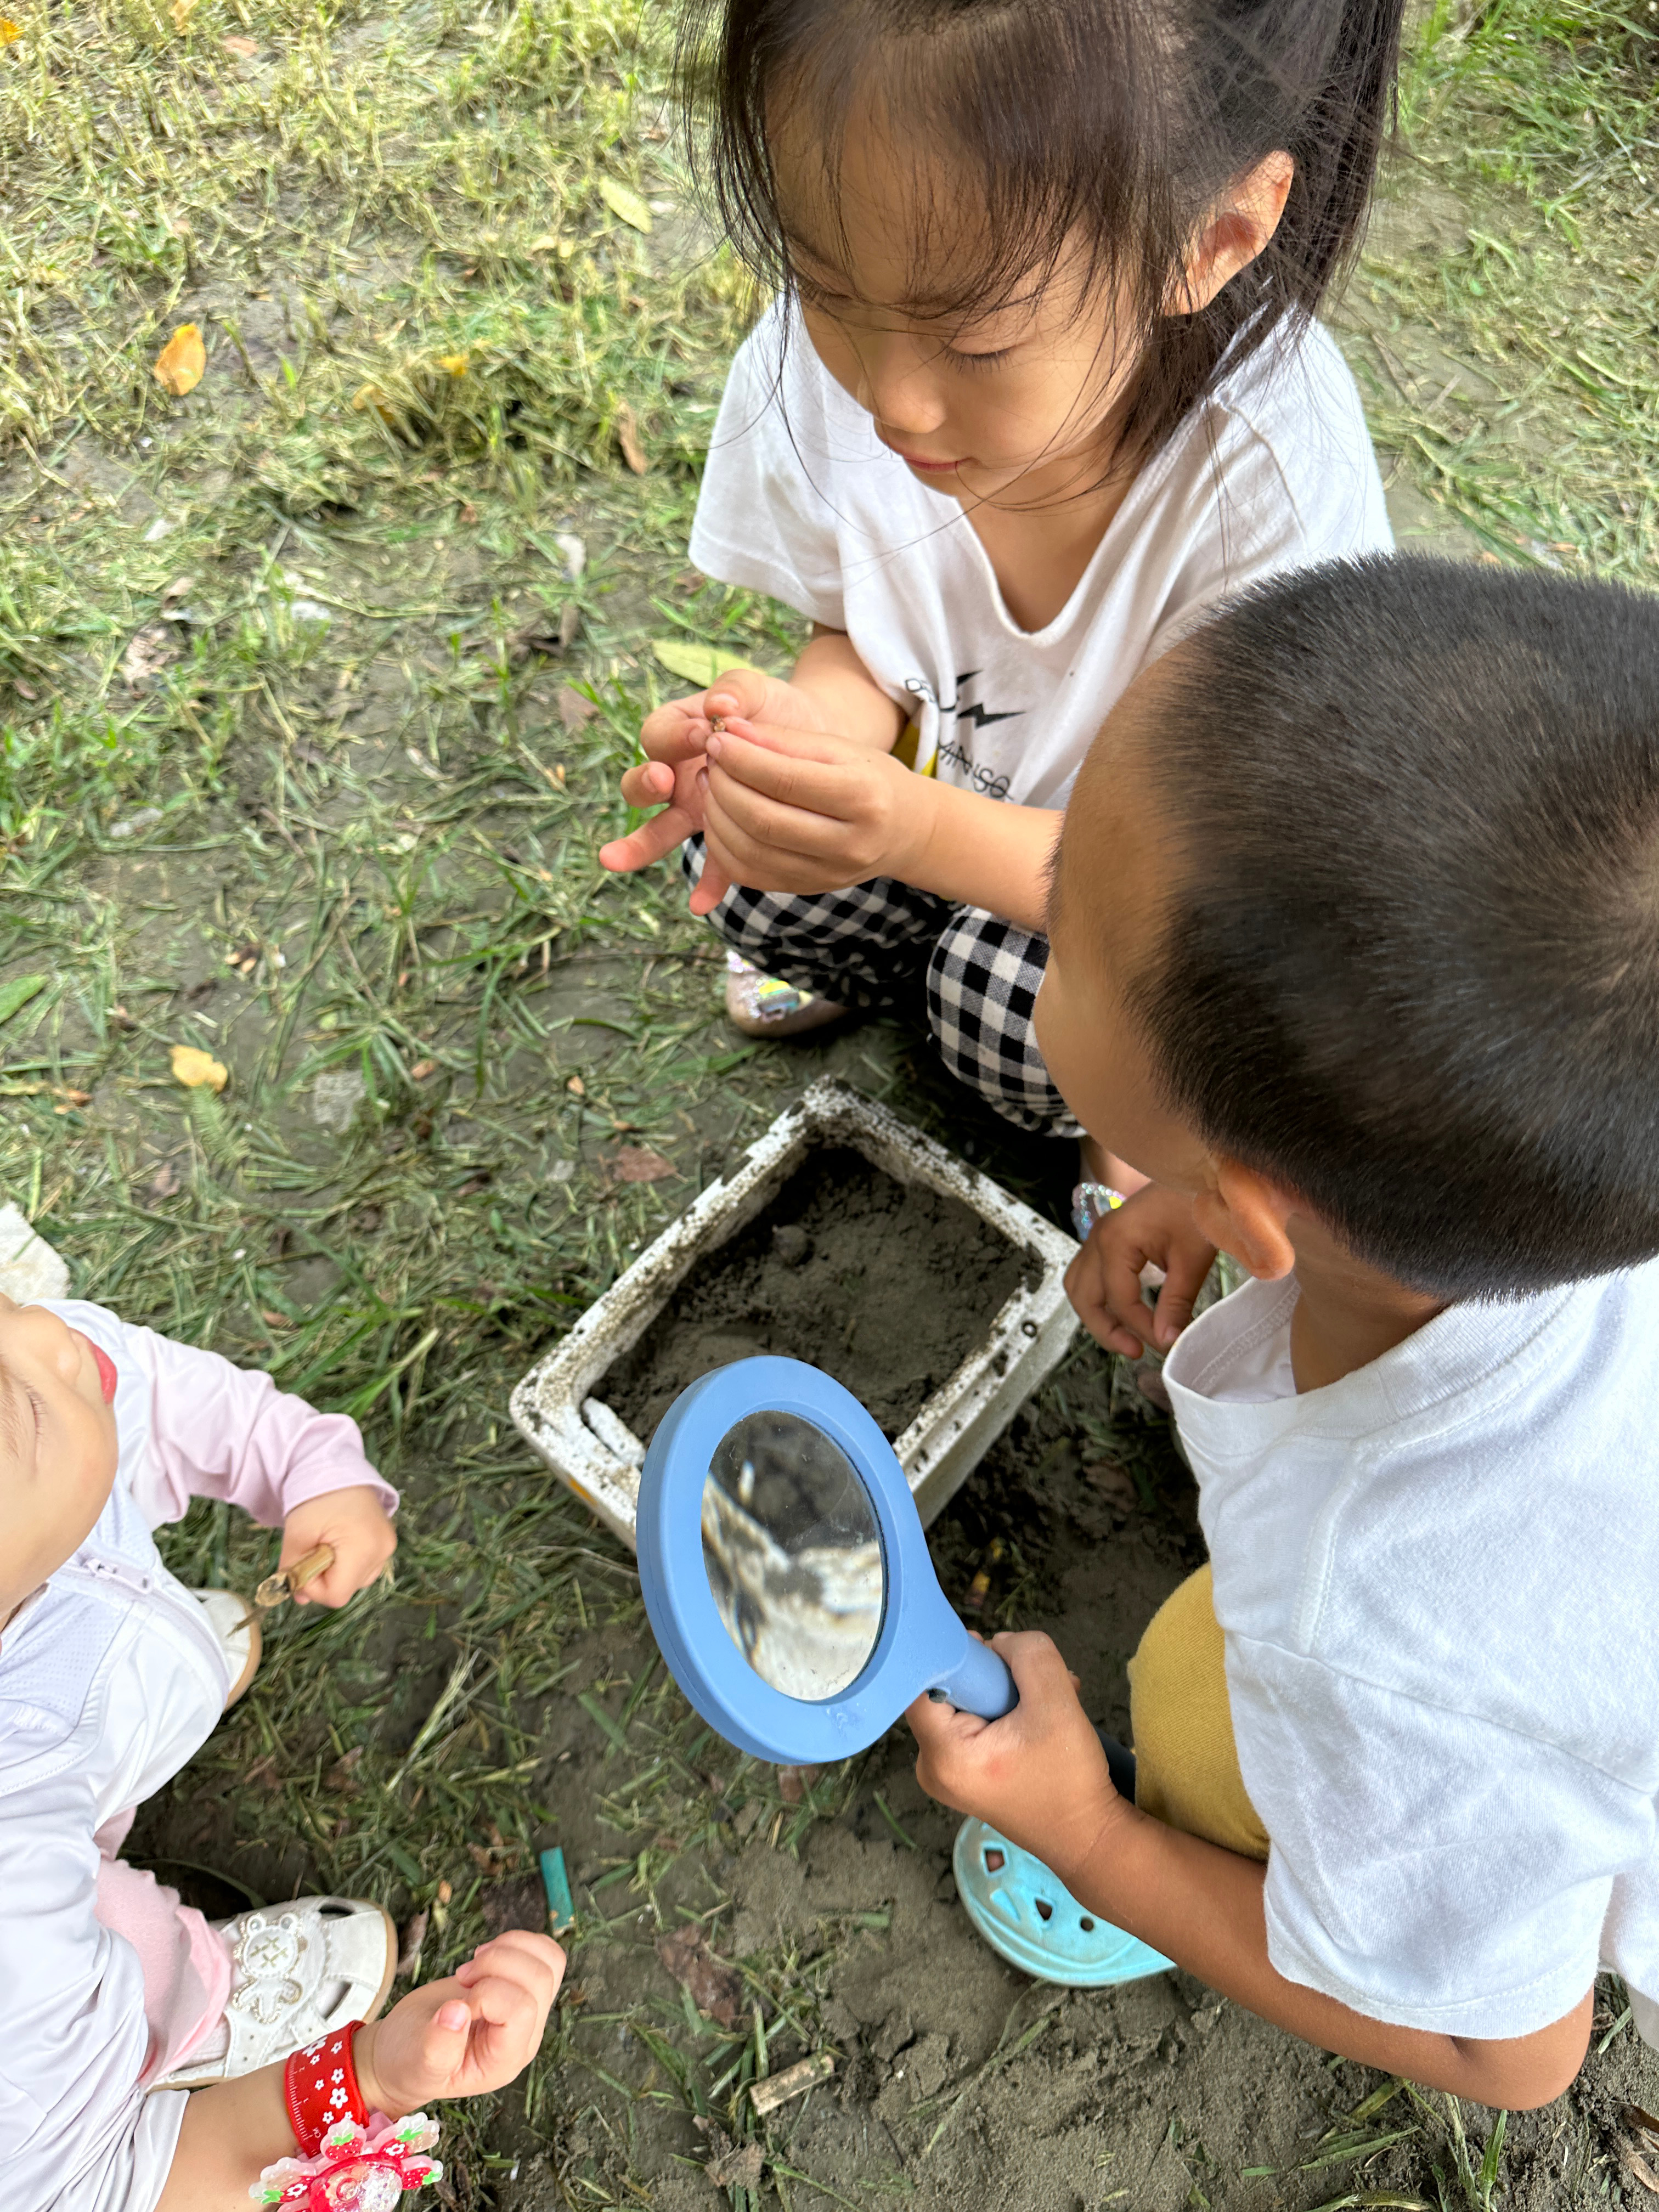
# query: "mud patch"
[885,1286]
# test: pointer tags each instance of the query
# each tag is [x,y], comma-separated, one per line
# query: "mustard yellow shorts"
[1186,1763]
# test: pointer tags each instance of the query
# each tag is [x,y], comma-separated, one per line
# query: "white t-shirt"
[800,499]
[1439,1581]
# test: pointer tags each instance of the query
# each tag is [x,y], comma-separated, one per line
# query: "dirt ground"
[884,1287]
[315,684]
[828,1909]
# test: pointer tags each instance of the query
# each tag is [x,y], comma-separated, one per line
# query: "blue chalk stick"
[556,1882]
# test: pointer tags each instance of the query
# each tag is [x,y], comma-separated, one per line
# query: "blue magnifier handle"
[979,1683]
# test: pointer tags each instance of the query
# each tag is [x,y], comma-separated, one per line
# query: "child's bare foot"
[765,1007]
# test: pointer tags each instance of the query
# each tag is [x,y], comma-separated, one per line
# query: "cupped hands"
[784,802]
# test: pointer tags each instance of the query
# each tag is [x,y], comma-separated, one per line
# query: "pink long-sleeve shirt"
[110,1681]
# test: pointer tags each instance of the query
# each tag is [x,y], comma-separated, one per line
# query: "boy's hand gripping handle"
[979,1683]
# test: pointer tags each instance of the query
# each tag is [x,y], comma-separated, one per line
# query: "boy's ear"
[1236,232]
[1242,1212]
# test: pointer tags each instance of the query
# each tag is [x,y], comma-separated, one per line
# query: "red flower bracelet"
[320,2085]
[351,2159]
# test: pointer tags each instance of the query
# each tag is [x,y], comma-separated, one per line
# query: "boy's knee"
[1186,1761]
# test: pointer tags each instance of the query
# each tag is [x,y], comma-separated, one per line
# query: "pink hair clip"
[357,2169]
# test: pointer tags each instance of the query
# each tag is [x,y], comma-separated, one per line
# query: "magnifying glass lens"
[793,1551]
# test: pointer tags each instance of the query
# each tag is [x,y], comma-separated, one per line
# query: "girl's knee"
[983,977]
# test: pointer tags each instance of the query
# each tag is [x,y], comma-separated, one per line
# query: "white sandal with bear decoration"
[298,1971]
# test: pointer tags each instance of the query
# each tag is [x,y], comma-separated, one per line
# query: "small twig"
[276,1588]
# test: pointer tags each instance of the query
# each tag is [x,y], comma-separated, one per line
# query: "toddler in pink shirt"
[115,1998]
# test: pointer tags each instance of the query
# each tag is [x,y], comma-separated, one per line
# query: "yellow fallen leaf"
[454,364]
[10,31]
[197,1070]
[627,437]
[697,664]
[368,395]
[182,362]
[181,11]
[622,200]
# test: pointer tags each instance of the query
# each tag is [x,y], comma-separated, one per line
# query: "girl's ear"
[1242,1212]
[1236,231]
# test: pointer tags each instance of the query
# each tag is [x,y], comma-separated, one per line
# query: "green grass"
[1508,310]
[363,846]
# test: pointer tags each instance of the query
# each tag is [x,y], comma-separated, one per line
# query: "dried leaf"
[10,31]
[627,437]
[410,1941]
[343,1775]
[794,1782]
[243,49]
[574,712]
[197,1070]
[741,2168]
[452,364]
[697,664]
[164,1183]
[716,1988]
[1638,2169]
[622,200]
[148,652]
[369,395]
[538,634]
[635,1163]
[422,1069]
[182,362]
[576,1087]
[181,11]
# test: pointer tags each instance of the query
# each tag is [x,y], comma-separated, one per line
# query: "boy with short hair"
[1355,952]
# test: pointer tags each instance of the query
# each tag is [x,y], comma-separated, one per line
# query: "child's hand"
[799,810]
[672,774]
[355,1522]
[1155,1228]
[477,2031]
[1038,1774]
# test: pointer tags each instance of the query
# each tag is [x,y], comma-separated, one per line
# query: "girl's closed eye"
[972,362]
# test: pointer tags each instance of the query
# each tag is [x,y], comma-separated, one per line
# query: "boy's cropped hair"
[1411,967]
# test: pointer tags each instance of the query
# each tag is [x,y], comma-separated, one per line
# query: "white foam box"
[588,1446]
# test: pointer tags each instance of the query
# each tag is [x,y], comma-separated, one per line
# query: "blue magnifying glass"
[786,1573]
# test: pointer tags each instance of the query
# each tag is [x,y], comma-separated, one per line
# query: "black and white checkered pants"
[874,945]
